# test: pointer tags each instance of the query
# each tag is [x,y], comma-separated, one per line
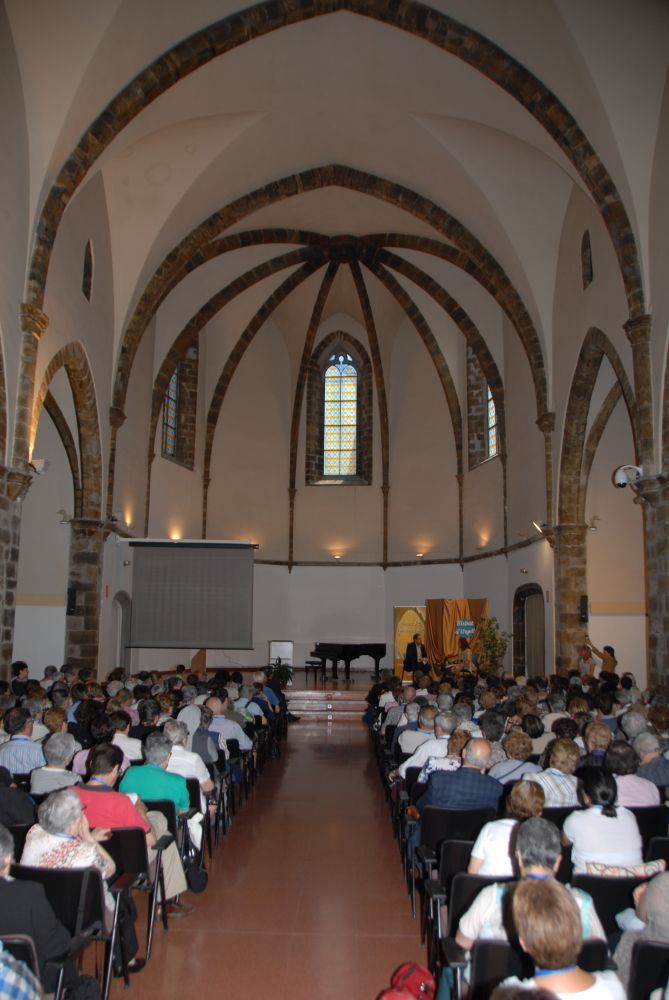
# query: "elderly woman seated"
[494,850]
[518,748]
[59,750]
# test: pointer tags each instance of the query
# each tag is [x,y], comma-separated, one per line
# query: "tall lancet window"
[492,426]
[340,417]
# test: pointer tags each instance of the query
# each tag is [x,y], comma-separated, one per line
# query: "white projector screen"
[192,595]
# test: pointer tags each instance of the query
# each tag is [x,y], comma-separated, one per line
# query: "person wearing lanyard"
[548,925]
[20,754]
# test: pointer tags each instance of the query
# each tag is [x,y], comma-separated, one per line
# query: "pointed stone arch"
[74,360]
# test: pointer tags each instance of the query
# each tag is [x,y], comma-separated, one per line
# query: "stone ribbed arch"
[3,408]
[203,243]
[236,354]
[423,22]
[575,463]
[73,359]
[67,441]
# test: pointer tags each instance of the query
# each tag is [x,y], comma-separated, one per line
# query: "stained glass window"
[492,426]
[340,417]
[170,413]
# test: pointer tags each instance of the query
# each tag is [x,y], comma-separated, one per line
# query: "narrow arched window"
[340,417]
[87,275]
[586,259]
[491,425]
[171,415]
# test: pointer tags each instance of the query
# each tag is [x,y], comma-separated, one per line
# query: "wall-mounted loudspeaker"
[583,609]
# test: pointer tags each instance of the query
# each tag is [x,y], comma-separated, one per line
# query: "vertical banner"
[406,622]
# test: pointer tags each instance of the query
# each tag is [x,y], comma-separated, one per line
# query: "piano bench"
[315,665]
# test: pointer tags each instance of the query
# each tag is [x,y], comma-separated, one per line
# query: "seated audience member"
[651,901]
[149,714]
[601,833]
[658,717]
[189,712]
[203,745]
[101,731]
[533,726]
[597,738]
[633,723]
[468,787]
[245,701]
[223,726]
[84,713]
[166,705]
[435,747]
[16,808]
[395,712]
[494,850]
[107,808]
[558,782]
[132,748]
[185,762]
[653,765]
[19,678]
[151,780]
[538,857]
[410,740]
[548,924]
[16,979]
[62,837]
[36,708]
[492,725]
[622,762]
[518,748]
[24,909]
[58,752]
[408,720]
[451,762]
[20,754]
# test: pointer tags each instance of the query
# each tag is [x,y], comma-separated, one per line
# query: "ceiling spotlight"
[592,523]
[335,555]
[39,465]
[539,525]
[524,571]
[419,555]
[65,518]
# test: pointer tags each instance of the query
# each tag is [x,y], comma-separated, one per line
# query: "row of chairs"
[437,871]
[78,895]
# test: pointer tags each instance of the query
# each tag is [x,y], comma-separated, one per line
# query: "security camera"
[626,475]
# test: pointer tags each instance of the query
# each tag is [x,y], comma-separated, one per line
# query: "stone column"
[546,424]
[116,421]
[654,498]
[33,324]
[85,571]
[14,485]
[638,334]
[570,585]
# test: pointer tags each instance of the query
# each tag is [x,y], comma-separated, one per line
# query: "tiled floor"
[306,898]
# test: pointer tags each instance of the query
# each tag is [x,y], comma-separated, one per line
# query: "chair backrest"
[658,848]
[410,778]
[389,733]
[19,833]
[453,858]
[127,846]
[194,793]
[594,955]
[652,822]
[558,814]
[233,747]
[22,780]
[464,890]
[22,947]
[610,896]
[649,969]
[439,823]
[169,811]
[76,895]
[494,961]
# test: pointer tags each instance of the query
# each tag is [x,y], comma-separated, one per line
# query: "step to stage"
[327,705]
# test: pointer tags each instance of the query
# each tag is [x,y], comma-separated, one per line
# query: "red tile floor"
[306,898]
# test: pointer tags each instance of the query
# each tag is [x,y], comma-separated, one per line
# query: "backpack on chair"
[412,980]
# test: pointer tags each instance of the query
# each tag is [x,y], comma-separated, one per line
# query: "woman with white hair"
[59,750]
[62,837]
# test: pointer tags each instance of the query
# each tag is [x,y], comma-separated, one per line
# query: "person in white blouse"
[494,850]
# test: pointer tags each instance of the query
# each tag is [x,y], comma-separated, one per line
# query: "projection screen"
[192,595]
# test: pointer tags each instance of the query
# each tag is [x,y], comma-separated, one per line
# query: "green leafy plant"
[491,640]
[281,672]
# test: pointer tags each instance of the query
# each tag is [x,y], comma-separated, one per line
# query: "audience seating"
[649,969]
[22,947]
[127,846]
[494,961]
[453,858]
[610,896]
[658,848]
[652,822]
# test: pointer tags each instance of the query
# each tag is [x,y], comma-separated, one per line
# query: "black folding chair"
[558,814]
[658,849]
[453,859]
[649,969]
[494,961]
[22,948]
[653,821]
[19,833]
[78,900]
[464,890]
[195,795]
[610,896]
[22,781]
[127,846]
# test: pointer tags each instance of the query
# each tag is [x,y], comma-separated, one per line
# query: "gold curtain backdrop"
[441,618]
[407,622]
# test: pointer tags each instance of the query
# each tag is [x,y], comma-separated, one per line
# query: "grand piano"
[347,651]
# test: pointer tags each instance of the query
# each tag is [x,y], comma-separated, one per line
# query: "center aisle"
[306,897]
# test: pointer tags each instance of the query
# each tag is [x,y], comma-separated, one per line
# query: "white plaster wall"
[39,637]
[132,443]
[483,506]
[627,635]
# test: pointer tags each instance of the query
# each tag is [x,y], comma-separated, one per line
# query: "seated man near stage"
[415,657]
[112,810]
[538,855]
[225,727]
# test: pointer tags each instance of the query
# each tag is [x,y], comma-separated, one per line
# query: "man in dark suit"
[415,657]
[24,909]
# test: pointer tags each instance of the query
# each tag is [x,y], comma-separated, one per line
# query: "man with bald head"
[467,788]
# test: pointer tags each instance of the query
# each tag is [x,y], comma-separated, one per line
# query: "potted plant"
[281,672]
[492,641]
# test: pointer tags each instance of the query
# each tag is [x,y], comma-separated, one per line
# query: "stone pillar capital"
[638,329]
[33,320]
[546,422]
[18,483]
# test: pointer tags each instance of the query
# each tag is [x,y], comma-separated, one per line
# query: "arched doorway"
[529,631]
[122,606]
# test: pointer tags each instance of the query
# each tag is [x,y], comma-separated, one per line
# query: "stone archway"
[526,617]
[122,606]
[578,447]
[86,529]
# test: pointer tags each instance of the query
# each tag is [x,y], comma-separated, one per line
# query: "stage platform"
[329,700]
